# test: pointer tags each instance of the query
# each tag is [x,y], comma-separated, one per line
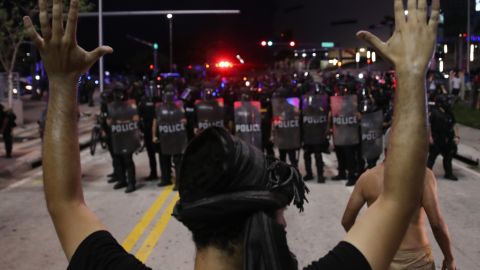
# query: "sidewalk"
[469,146]
[27,146]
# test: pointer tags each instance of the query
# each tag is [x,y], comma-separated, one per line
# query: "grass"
[467,116]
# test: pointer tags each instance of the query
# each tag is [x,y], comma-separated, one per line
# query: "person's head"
[169,93]
[280,92]
[207,94]
[245,94]
[232,197]
[118,92]
[441,101]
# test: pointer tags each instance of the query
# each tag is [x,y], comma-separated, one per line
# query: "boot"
[451,177]
[130,188]
[308,177]
[320,177]
[120,185]
[151,177]
[112,180]
[164,183]
[340,176]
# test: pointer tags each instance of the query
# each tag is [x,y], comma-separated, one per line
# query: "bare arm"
[437,223]
[64,61]
[379,232]
[354,205]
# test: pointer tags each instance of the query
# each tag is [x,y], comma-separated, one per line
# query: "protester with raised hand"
[257,189]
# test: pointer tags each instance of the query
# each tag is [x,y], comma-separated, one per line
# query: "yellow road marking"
[152,239]
[147,218]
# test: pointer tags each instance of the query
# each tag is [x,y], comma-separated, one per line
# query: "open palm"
[61,55]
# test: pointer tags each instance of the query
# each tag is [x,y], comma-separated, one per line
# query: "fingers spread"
[57,22]
[71,30]
[44,22]
[434,17]
[399,13]
[32,33]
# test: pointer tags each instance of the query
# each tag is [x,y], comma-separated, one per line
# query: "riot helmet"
[169,94]
[207,94]
[245,94]
[118,92]
[281,92]
[441,101]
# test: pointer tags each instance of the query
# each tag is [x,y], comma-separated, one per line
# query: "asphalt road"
[142,223]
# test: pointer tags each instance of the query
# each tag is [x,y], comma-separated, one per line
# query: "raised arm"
[379,232]
[355,204]
[64,62]
[437,223]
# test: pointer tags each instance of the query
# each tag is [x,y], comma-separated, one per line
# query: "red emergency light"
[224,64]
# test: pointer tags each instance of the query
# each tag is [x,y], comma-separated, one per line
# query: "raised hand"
[412,45]
[64,60]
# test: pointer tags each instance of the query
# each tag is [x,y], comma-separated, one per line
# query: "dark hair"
[224,234]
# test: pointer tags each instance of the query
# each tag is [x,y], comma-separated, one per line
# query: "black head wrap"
[222,177]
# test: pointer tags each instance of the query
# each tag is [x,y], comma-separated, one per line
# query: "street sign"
[328,44]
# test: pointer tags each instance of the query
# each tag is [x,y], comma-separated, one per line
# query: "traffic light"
[263,43]
[270,43]
[155,46]
[152,67]
[292,44]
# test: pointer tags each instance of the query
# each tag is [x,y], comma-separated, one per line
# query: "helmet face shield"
[207,94]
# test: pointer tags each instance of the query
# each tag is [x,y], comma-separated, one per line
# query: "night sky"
[197,38]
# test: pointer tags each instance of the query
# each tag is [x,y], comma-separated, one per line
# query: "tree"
[12,34]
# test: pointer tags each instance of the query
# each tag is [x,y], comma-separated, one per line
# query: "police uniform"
[346,134]
[266,113]
[172,135]
[442,124]
[315,112]
[125,140]
[146,111]
[286,126]
[7,123]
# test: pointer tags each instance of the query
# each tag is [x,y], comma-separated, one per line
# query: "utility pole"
[469,40]
[100,43]
[170,21]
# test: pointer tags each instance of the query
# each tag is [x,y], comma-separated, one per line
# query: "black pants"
[152,155]
[307,156]
[292,156]
[348,162]
[124,168]
[166,166]
[8,140]
[446,152]
[268,148]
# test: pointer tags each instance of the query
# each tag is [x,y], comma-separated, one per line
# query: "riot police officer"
[444,136]
[266,113]
[371,130]
[209,111]
[105,99]
[123,121]
[315,114]
[286,125]
[248,119]
[146,111]
[169,129]
[346,133]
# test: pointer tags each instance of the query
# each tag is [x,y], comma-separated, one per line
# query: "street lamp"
[170,20]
